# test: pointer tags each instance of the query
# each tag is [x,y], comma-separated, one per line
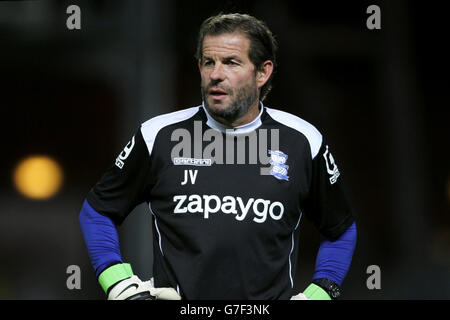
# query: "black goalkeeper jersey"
[226,203]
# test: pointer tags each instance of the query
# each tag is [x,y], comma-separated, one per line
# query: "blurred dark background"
[376,95]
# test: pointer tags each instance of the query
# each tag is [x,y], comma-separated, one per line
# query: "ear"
[264,73]
[199,65]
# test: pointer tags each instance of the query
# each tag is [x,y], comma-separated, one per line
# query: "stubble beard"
[240,102]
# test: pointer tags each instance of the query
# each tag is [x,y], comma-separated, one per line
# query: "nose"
[217,74]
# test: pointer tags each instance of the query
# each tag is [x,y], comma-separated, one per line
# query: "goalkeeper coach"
[224,229]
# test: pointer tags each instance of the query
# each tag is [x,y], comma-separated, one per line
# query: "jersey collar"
[251,126]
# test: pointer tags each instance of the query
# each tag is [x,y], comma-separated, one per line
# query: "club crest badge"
[279,167]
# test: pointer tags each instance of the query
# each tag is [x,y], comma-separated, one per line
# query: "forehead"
[226,44]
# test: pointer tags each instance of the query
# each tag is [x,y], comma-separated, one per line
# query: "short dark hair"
[263,45]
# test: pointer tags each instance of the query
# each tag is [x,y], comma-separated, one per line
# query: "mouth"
[217,94]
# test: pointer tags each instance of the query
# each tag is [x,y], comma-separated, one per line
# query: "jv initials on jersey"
[192,176]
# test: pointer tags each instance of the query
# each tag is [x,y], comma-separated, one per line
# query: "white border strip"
[292,249]
[157,229]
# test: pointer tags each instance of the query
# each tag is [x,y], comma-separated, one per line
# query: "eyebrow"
[233,57]
[227,58]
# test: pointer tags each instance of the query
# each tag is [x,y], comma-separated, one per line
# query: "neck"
[251,114]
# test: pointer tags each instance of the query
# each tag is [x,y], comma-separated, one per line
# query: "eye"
[231,62]
[208,62]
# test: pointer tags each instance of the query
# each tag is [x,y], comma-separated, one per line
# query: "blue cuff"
[334,257]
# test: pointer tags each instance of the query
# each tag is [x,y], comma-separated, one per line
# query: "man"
[225,226]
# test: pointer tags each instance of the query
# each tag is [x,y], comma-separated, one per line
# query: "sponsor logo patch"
[332,168]
[124,154]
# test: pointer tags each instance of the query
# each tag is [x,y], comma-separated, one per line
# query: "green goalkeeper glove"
[119,283]
[313,292]
[320,289]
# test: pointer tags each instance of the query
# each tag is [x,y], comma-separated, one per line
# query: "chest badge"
[279,167]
